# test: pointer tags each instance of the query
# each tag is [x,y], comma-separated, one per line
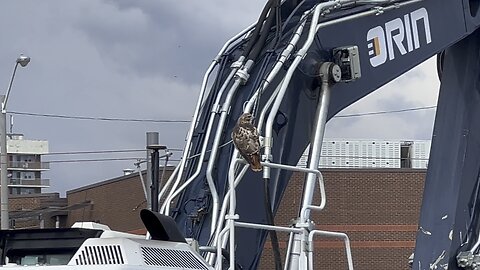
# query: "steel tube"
[155,179]
[218,264]
[289,248]
[316,145]
[276,105]
[225,204]
[167,185]
[278,64]
[213,154]
[266,227]
[200,98]
[4,215]
[174,192]
[152,138]
[5,221]
[142,181]
[345,238]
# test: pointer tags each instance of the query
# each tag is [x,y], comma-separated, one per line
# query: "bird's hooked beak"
[248,117]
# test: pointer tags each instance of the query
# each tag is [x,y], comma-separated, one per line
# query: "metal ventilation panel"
[125,253]
[171,258]
[102,254]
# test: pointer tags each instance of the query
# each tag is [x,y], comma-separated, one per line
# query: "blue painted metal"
[295,118]
[448,215]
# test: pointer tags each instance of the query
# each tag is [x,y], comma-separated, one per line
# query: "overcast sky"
[145,60]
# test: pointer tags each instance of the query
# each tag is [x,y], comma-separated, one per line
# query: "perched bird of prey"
[245,138]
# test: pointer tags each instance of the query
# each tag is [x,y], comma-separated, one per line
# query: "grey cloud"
[148,38]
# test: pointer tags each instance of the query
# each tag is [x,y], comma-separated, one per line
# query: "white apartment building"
[25,165]
[343,153]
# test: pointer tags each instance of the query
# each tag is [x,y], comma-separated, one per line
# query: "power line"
[101,160]
[385,112]
[177,160]
[104,152]
[93,152]
[188,121]
[93,160]
[98,118]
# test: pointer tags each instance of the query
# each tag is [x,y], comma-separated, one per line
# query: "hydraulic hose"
[270,221]
[260,42]
[256,33]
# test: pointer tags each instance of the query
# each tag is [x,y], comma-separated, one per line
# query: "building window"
[405,155]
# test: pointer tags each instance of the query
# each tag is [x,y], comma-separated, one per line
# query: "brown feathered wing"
[245,138]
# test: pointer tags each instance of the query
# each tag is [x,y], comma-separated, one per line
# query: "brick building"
[25,165]
[377,208]
[116,202]
[43,210]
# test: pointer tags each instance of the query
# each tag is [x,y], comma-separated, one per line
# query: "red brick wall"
[116,203]
[377,208]
[24,205]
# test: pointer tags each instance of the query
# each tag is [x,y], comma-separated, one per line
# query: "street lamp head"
[23,60]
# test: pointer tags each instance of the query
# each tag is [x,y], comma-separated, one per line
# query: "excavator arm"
[299,65]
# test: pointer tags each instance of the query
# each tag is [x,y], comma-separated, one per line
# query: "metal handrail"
[267,227]
[330,234]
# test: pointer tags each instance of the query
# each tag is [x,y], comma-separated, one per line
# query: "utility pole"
[5,220]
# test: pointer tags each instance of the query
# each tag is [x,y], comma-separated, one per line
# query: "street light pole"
[4,219]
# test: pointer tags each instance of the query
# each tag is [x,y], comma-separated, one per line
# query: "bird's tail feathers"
[255,164]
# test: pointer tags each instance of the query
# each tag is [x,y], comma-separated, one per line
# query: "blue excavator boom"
[304,61]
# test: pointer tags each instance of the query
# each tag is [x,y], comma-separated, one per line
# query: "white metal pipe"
[295,261]
[321,118]
[211,121]
[295,252]
[299,56]
[300,169]
[283,57]
[142,182]
[264,111]
[239,177]
[220,128]
[232,207]
[215,147]
[322,195]
[298,255]
[267,227]
[167,184]
[4,193]
[289,248]
[279,63]
[475,246]
[244,169]
[218,264]
[176,191]
[314,27]
[225,204]
[316,145]
[200,99]
[223,116]
[345,238]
